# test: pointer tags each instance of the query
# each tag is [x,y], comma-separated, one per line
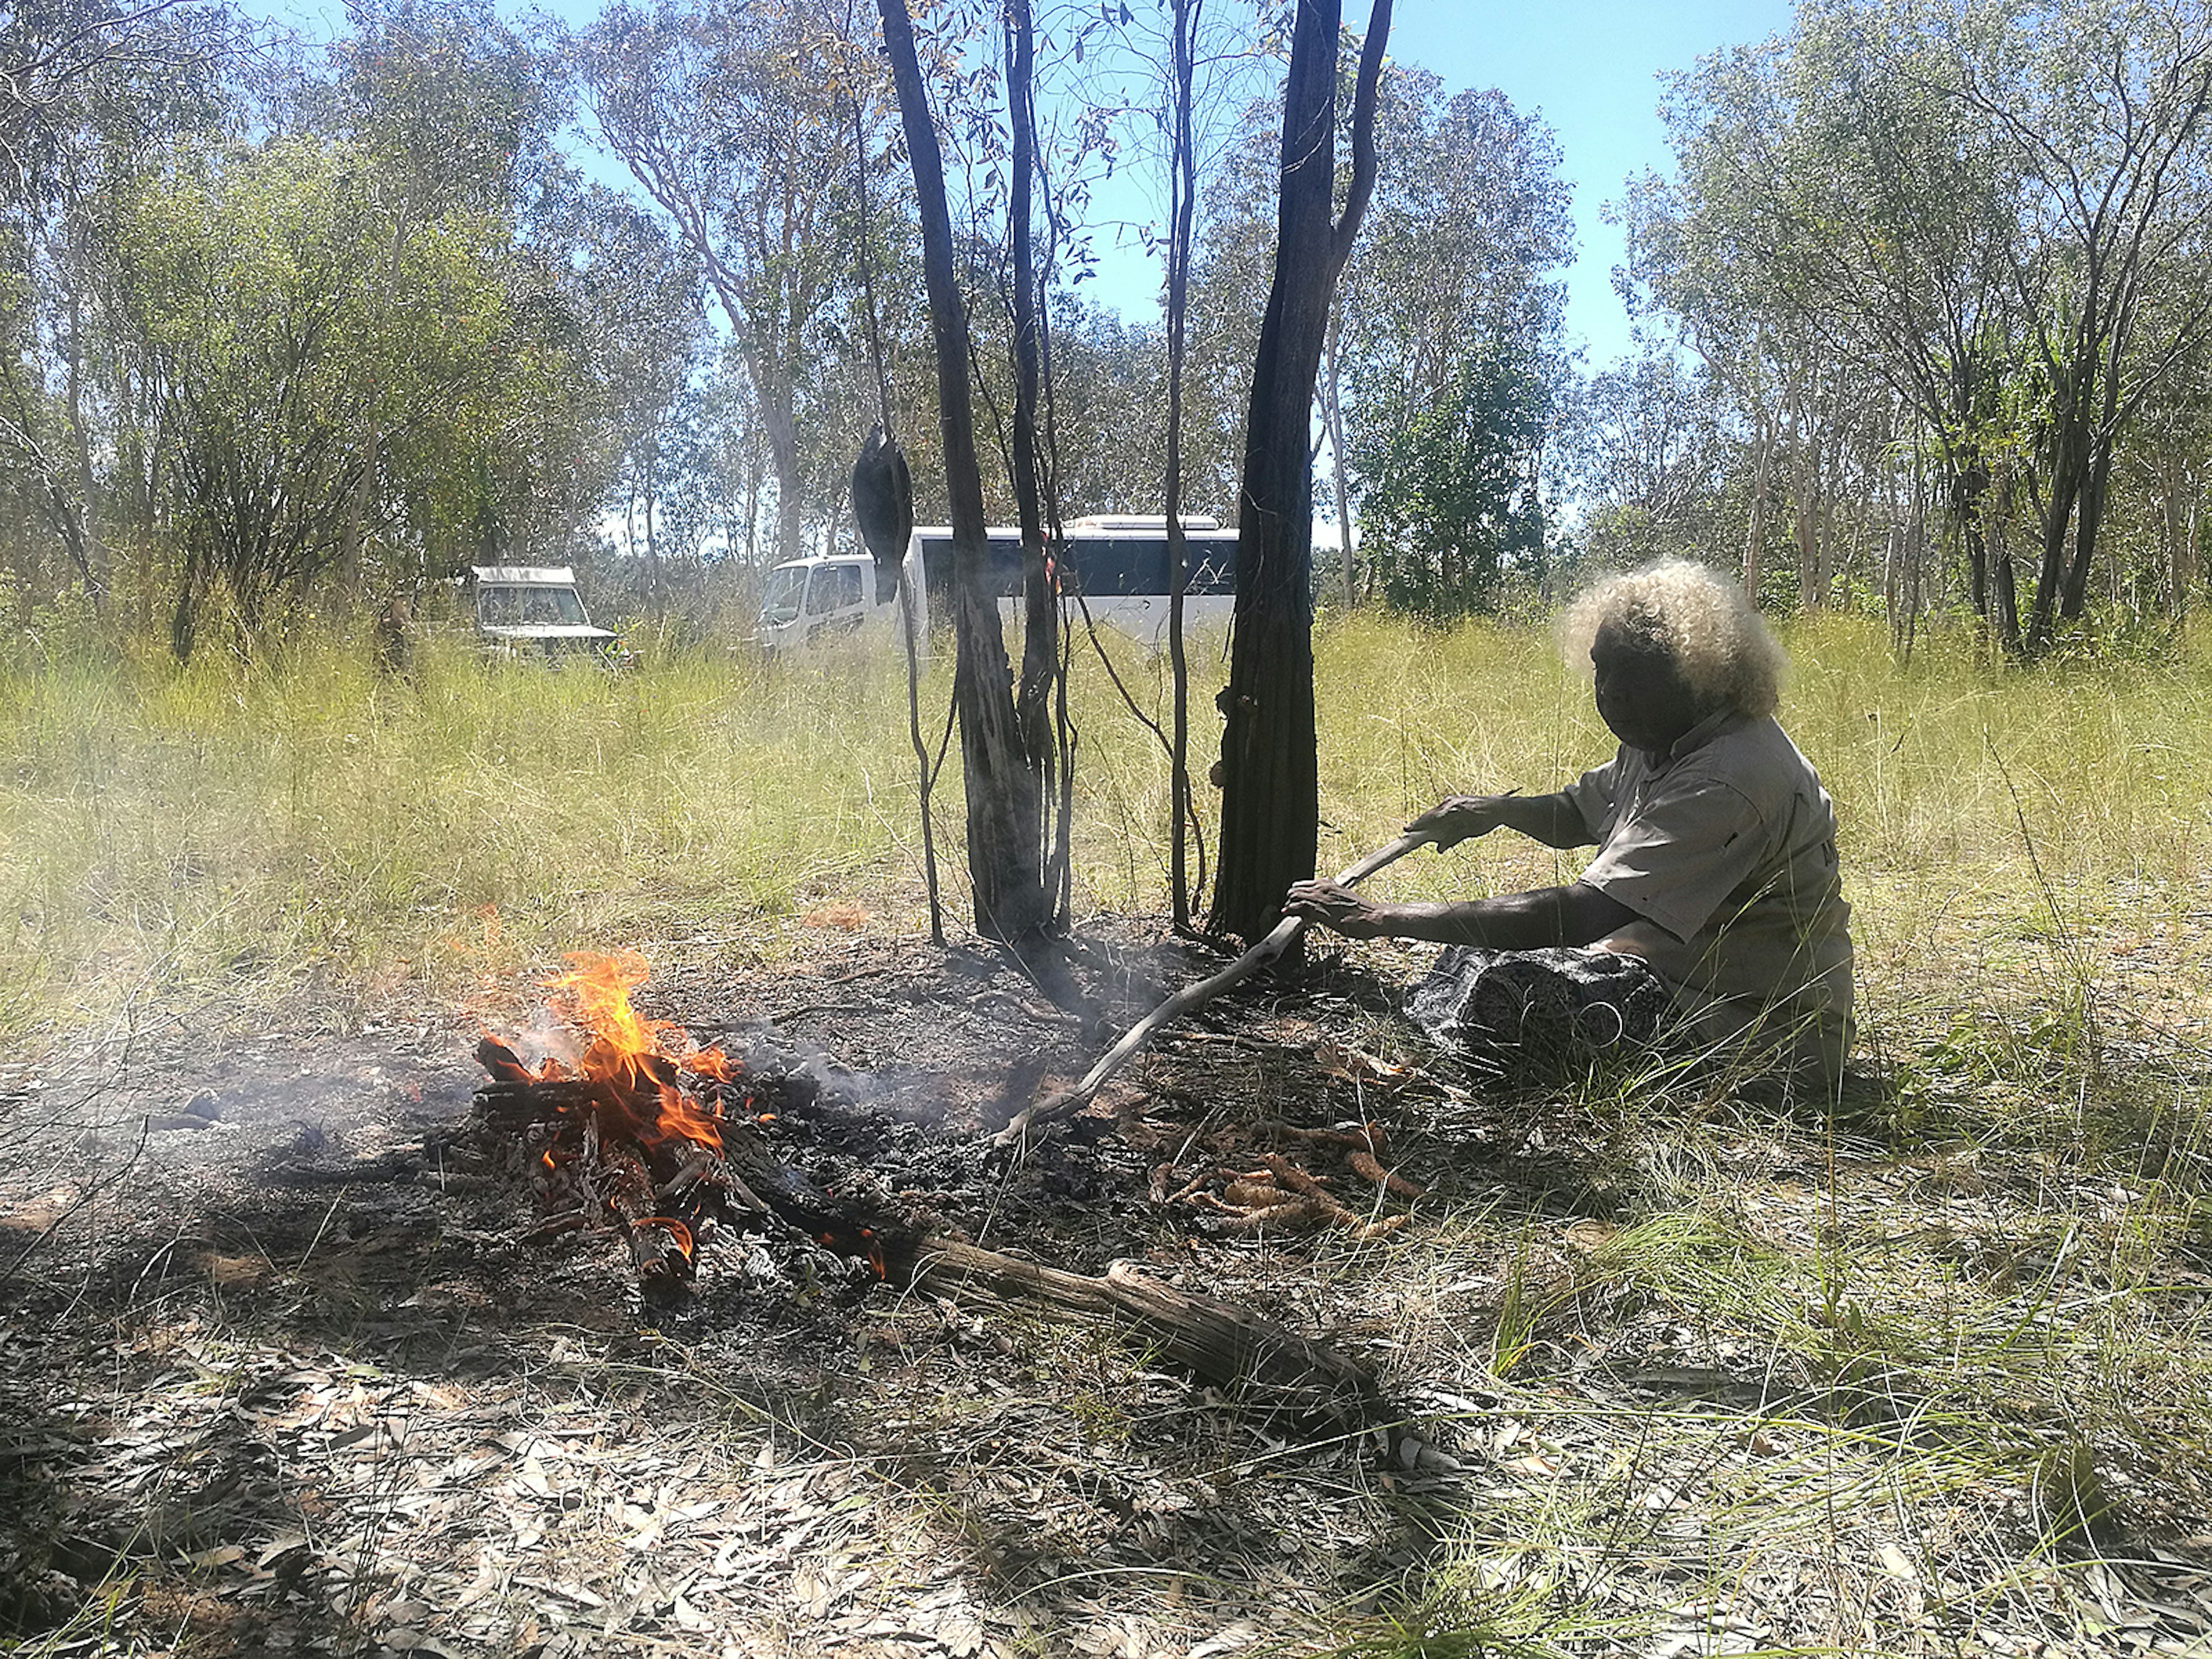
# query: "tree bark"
[1755,532]
[97,575]
[1004,831]
[1033,692]
[1182,195]
[1271,807]
[1333,420]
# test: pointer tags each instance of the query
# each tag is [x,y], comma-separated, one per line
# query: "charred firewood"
[658,1156]
[660,1245]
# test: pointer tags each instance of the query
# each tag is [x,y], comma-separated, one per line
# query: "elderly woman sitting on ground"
[1711,914]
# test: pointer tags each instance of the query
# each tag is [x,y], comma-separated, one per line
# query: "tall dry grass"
[1824,1381]
[230,829]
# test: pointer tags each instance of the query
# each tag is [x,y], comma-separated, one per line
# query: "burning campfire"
[645,1134]
[640,1134]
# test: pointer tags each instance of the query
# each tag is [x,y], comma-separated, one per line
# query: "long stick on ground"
[1284,934]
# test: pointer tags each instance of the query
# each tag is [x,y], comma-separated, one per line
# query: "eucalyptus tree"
[1447,340]
[735,116]
[2163,476]
[1647,437]
[254,309]
[1451,504]
[635,297]
[2107,110]
[88,90]
[1109,387]
[1448,316]
[447,108]
[1980,203]
[1006,841]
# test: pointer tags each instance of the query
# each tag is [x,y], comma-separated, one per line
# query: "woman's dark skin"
[1646,703]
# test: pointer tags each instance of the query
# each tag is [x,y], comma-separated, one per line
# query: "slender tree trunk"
[1182,194]
[1754,533]
[656,591]
[1003,828]
[2178,511]
[2004,593]
[1809,518]
[773,397]
[2066,480]
[752,514]
[98,575]
[1033,700]
[1333,419]
[1270,809]
[2088,523]
[772,391]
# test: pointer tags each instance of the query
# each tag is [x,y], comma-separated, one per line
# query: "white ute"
[812,602]
[524,610]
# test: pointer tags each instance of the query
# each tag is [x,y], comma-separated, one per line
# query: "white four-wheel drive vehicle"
[524,610]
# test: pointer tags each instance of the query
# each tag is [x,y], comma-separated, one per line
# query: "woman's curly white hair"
[1700,618]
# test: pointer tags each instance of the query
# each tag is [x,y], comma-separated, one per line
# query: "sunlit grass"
[304,820]
[1796,1381]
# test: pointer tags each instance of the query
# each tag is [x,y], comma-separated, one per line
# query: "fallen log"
[1219,1342]
[1284,934]
[1254,1359]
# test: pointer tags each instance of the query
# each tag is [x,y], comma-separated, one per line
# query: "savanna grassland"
[1928,1369]
[230,830]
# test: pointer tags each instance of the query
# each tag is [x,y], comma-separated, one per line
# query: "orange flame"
[714,1063]
[637,1054]
[680,1231]
[594,992]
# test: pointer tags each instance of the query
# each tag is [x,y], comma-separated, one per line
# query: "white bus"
[1117,563]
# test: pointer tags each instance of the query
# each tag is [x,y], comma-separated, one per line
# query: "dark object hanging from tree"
[883,500]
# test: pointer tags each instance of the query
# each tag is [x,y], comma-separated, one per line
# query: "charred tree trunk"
[2070,467]
[1005,835]
[2088,521]
[1270,807]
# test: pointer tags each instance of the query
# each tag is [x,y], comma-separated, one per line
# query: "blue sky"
[1591,70]
[1589,67]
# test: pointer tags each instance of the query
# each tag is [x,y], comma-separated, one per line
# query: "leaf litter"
[245,1409]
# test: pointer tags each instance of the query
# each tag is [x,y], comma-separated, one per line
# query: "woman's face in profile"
[1641,694]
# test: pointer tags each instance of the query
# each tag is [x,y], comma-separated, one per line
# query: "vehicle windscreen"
[787,585]
[508,604]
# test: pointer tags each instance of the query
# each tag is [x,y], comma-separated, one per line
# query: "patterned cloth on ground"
[1535,1013]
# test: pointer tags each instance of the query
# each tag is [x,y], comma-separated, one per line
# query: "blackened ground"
[231,1249]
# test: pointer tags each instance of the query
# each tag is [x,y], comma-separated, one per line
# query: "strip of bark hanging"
[1280,939]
